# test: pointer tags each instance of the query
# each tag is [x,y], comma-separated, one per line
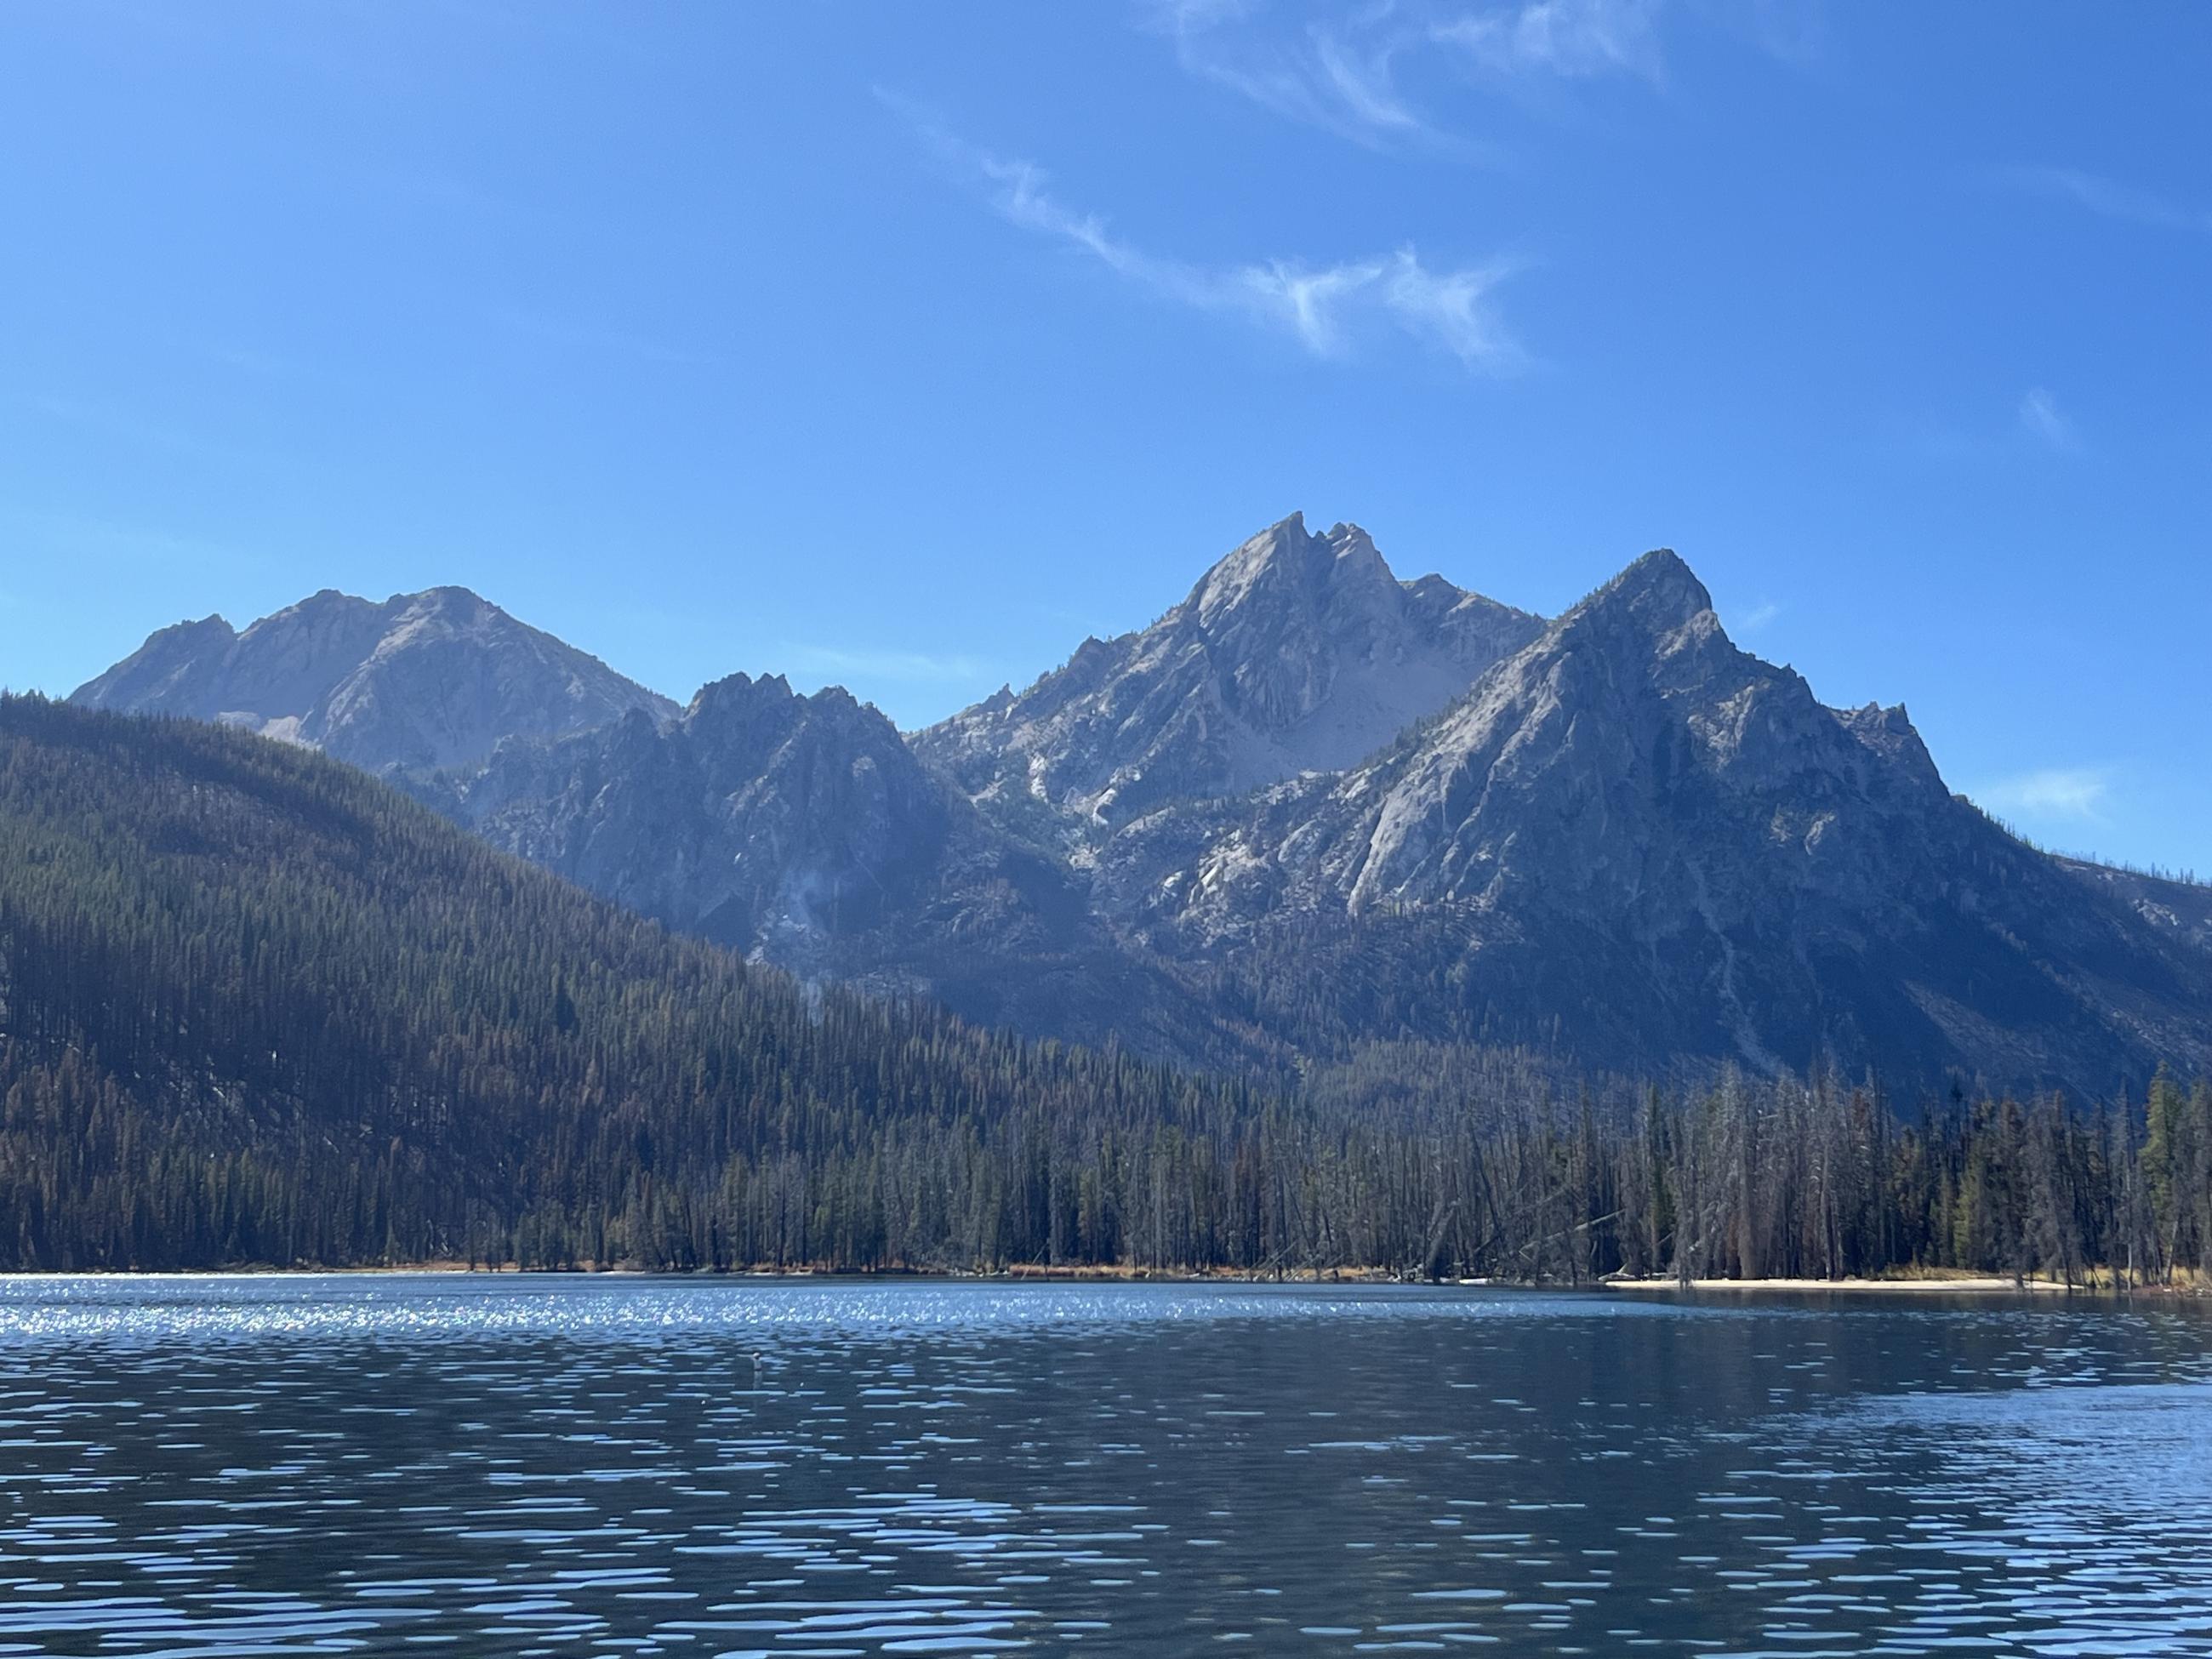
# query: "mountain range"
[1313,811]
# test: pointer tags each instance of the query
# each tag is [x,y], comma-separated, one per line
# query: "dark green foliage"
[258,1006]
[255,1007]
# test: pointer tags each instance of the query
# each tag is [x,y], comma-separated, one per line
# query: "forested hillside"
[256,1007]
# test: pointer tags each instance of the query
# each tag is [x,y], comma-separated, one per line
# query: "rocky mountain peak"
[1632,838]
[321,614]
[1275,558]
[420,681]
[152,675]
[1294,652]
[1891,734]
[1286,566]
[1658,593]
[461,606]
[737,691]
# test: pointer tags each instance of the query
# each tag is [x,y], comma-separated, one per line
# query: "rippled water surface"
[541,1466]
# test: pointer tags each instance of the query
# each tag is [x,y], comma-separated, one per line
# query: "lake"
[512,1465]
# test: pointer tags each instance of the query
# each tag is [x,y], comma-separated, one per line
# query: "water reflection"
[294,1466]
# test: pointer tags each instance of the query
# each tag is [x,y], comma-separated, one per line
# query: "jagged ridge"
[1295,653]
[803,831]
[1637,842]
[1313,805]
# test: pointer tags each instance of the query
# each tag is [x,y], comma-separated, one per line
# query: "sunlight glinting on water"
[289,1465]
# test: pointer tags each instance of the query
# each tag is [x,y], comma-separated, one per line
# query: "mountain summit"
[1633,842]
[422,681]
[1314,813]
[1295,652]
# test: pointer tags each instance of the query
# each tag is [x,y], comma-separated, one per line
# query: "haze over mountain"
[422,680]
[1311,810]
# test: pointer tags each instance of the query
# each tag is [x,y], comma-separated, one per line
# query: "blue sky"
[901,346]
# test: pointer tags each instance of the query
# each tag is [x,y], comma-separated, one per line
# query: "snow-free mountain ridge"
[1631,837]
[1314,811]
[1295,652]
[420,681]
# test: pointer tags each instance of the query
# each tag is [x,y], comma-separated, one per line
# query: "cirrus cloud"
[2040,414]
[1325,308]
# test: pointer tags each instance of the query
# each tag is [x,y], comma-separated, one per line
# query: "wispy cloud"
[1759,617]
[1345,71]
[1323,308]
[2038,422]
[2074,792]
[1569,37]
[2040,415]
[2109,198]
[886,665]
[1338,74]
[1359,77]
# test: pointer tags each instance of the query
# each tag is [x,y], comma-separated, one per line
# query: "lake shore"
[1976,1284]
[1032,1273]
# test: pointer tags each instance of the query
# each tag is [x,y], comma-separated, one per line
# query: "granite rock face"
[1295,654]
[1634,841]
[802,830]
[422,681]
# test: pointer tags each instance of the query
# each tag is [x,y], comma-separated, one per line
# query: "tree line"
[255,1007]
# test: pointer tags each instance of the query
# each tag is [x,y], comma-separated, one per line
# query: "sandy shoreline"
[1976,1285]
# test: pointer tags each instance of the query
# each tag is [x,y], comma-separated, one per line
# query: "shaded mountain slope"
[802,831]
